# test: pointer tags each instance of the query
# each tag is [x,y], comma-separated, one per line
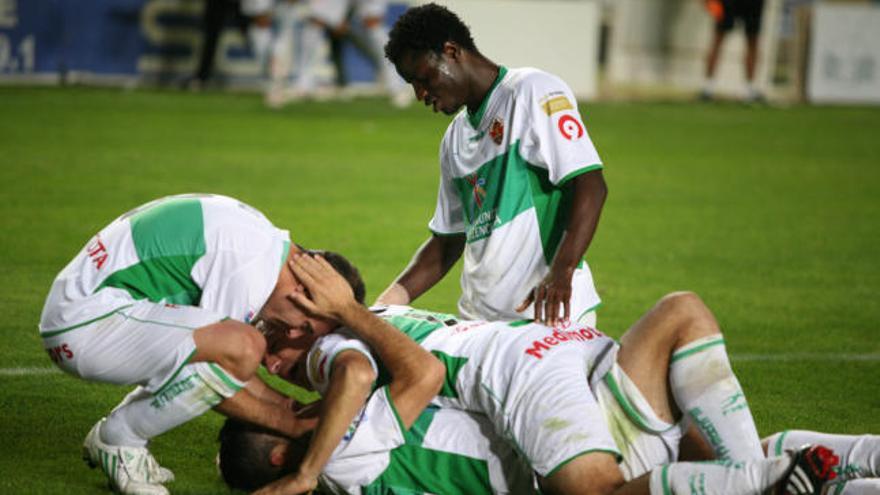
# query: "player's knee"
[688,311]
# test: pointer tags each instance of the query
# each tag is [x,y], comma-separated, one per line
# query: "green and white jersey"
[445,451]
[507,371]
[504,183]
[208,251]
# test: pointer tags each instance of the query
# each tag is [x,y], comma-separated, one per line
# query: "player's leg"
[752,13]
[675,356]
[372,13]
[593,473]
[859,454]
[723,25]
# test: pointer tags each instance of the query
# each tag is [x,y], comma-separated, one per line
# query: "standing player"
[161,298]
[521,185]
[726,13]
[333,17]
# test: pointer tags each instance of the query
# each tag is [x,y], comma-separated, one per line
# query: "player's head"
[427,45]
[251,457]
[280,311]
[288,330]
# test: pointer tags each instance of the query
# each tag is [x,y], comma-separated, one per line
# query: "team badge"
[496,131]
[570,127]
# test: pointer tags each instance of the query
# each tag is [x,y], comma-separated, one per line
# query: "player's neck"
[483,77]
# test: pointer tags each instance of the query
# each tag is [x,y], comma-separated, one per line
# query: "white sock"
[141,415]
[378,36]
[869,486]
[260,39]
[859,454]
[307,60]
[706,389]
[709,478]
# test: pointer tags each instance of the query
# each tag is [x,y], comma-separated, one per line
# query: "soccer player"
[521,184]
[534,384]
[333,17]
[726,13]
[160,298]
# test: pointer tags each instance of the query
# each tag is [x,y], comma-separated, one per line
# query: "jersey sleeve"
[319,361]
[448,214]
[557,139]
[365,451]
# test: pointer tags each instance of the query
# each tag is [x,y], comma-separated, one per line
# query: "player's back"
[493,364]
[168,250]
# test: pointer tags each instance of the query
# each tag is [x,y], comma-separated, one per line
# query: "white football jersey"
[504,174]
[506,370]
[201,250]
[445,451]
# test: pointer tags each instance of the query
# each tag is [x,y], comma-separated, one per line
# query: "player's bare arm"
[429,265]
[590,191]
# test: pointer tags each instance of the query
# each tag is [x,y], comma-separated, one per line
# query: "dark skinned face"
[437,79]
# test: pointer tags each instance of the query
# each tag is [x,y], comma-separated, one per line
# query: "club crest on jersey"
[496,131]
[477,184]
[570,127]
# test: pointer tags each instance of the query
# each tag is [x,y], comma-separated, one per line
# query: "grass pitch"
[769,214]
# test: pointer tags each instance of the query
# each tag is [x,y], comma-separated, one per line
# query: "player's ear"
[278,455]
[452,50]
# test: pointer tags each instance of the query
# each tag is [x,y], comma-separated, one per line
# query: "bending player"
[507,372]
[160,298]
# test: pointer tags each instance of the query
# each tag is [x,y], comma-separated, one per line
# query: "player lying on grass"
[449,451]
[160,298]
[533,383]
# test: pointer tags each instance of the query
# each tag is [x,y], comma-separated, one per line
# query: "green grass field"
[770,214]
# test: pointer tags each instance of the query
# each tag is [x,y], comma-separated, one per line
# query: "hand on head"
[327,294]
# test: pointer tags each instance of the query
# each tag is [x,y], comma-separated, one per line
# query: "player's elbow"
[434,375]
[355,371]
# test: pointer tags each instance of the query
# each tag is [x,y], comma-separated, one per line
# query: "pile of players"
[186,296]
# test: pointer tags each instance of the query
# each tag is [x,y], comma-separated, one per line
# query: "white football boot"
[130,470]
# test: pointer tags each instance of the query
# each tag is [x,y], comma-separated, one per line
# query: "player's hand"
[554,291]
[290,485]
[328,295]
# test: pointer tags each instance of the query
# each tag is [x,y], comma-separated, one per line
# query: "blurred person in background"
[726,13]
[336,19]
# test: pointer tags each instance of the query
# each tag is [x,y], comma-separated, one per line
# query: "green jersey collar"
[475,118]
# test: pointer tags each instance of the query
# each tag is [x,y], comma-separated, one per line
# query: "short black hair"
[244,460]
[348,271]
[426,28]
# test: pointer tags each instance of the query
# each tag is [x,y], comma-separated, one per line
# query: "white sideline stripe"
[807,356]
[790,357]
[29,371]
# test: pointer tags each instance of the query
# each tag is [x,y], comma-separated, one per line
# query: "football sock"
[868,486]
[709,478]
[387,73]
[307,61]
[260,38]
[141,416]
[859,454]
[706,389]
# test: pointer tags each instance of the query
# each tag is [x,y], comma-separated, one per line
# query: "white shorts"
[253,8]
[144,344]
[549,433]
[645,440]
[333,12]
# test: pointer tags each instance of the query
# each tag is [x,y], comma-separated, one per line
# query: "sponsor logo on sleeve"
[97,253]
[555,102]
[570,127]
